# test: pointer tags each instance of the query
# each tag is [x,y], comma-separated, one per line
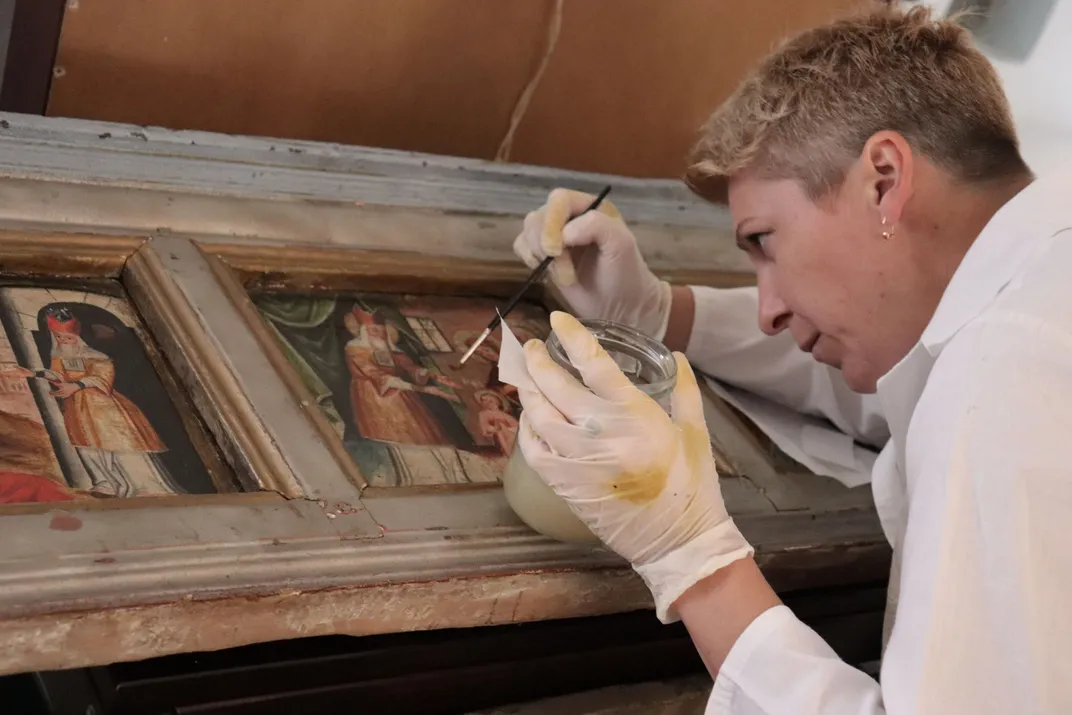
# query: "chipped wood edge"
[82,639]
[53,254]
[234,291]
[216,392]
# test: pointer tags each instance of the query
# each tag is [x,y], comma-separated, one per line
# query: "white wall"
[1039,87]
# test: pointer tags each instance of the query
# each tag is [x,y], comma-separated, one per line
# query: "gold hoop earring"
[886,234]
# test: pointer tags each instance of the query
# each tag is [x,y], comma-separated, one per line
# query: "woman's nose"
[773,314]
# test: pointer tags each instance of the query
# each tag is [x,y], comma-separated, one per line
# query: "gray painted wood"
[79,151]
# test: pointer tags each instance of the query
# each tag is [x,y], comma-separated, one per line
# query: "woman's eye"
[758,240]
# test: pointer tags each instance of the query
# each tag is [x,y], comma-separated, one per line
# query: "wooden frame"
[187,220]
[316,544]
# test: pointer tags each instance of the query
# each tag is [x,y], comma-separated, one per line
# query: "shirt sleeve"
[779,666]
[727,344]
[981,622]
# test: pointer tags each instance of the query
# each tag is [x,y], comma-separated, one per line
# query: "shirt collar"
[1005,244]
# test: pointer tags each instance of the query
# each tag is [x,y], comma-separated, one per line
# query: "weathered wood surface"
[228,165]
[201,583]
[111,178]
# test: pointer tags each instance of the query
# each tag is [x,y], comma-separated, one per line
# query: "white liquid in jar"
[538,506]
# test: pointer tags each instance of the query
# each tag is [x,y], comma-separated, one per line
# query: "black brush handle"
[537,274]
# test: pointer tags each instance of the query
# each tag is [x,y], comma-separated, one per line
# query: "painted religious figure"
[83,412]
[496,420]
[385,370]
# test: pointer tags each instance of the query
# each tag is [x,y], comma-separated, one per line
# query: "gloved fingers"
[598,369]
[579,481]
[595,228]
[523,250]
[686,402]
[529,247]
[568,396]
[686,409]
[563,207]
[531,444]
[572,203]
[557,212]
[560,436]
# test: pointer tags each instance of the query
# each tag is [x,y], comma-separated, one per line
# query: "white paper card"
[512,367]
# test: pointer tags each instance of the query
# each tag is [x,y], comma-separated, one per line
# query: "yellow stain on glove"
[563,205]
[641,486]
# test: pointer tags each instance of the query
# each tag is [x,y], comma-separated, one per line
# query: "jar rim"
[621,338]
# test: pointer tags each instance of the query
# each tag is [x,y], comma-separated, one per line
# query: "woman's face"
[66,339]
[826,275]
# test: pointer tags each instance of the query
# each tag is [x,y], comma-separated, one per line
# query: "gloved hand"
[598,268]
[644,482]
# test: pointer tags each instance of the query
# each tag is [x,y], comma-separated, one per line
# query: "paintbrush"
[536,275]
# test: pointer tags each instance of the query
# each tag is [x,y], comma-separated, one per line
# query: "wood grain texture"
[64,255]
[628,86]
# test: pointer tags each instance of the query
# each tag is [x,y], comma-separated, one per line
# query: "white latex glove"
[599,268]
[643,482]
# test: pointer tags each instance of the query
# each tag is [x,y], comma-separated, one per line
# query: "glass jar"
[649,365]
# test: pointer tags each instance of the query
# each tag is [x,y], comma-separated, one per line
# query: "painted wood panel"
[384,369]
[84,413]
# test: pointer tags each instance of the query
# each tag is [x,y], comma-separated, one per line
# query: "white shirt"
[973,487]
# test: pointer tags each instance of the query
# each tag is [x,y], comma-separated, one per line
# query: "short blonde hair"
[808,109]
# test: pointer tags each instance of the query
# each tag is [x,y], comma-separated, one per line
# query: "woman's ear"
[888,165]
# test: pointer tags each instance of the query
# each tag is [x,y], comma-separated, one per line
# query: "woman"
[913,287]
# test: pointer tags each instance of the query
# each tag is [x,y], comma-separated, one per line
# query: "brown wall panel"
[626,89]
[633,80]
